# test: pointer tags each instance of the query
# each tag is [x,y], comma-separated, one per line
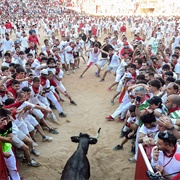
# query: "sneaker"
[101,80]
[67,72]
[133,160]
[96,74]
[35,144]
[108,89]
[73,102]
[121,120]
[74,71]
[53,131]
[62,114]
[118,147]
[47,138]
[34,163]
[110,118]
[35,152]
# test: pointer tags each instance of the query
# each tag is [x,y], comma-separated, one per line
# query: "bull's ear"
[92,141]
[75,139]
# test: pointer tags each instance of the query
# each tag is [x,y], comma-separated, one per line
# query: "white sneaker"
[47,138]
[74,71]
[67,72]
[35,144]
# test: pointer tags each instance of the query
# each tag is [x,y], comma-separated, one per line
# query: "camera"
[154,176]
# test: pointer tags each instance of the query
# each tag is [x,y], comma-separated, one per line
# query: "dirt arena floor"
[88,116]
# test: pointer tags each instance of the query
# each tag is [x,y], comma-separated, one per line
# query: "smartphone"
[138,99]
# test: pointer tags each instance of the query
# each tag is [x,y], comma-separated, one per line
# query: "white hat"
[128,75]
[44,71]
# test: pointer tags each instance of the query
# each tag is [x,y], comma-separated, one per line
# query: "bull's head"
[92,140]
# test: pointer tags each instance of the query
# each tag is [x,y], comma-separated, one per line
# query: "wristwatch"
[171,128]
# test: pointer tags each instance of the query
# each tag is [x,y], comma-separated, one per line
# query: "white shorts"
[30,127]
[62,58]
[118,78]
[30,120]
[17,139]
[109,68]
[61,86]
[81,52]
[24,128]
[38,113]
[119,87]
[69,61]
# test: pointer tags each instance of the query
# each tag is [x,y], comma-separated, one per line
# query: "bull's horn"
[98,133]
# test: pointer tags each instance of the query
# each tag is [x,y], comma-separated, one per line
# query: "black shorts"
[126,134]
[76,55]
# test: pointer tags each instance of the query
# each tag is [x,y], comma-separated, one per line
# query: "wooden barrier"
[142,165]
[3,169]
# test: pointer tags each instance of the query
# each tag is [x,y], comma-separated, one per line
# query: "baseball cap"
[155,100]
[128,75]
[177,156]
[44,71]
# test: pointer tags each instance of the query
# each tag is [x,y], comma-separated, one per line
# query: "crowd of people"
[146,67]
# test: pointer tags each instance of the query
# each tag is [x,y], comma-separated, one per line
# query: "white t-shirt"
[151,132]
[7,44]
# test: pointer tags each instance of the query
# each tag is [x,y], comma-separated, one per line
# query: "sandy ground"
[93,101]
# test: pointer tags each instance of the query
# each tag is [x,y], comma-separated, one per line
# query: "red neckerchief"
[12,90]
[32,48]
[162,76]
[95,51]
[30,61]
[156,66]
[173,110]
[7,39]
[48,52]
[36,90]
[134,75]
[171,155]
[175,62]
[39,59]
[8,62]
[57,57]
[43,81]
[57,71]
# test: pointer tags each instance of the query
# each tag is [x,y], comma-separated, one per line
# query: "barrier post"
[142,165]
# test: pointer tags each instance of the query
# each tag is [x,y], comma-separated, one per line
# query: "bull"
[77,166]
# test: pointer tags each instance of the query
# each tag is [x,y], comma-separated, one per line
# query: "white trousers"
[11,165]
[122,109]
[52,98]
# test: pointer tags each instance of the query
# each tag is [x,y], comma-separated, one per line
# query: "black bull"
[77,166]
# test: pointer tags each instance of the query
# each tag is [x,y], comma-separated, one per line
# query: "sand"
[88,116]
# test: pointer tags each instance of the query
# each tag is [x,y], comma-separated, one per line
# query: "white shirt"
[7,44]
[24,42]
[170,164]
